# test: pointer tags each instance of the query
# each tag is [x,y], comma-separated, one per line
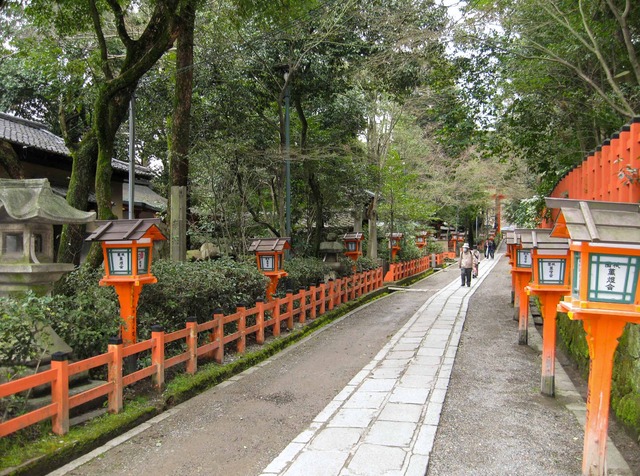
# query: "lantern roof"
[356,235]
[125,230]
[511,237]
[33,201]
[542,240]
[262,245]
[395,235]
[524,237]
[595,221]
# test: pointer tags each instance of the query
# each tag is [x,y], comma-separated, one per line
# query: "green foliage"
[303,272]
[365,263]
[21,321]
[195,290]
[525,213]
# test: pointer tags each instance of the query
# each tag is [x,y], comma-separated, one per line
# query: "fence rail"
[206,340]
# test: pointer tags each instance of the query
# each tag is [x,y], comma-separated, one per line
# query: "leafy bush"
[409,252]
[302,272]
[21,321]
[83,313]
[365,263]
[194,290]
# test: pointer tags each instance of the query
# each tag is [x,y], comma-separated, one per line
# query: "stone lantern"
[28,211]
[605,268]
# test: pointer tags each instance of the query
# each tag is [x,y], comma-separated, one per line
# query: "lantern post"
[421,239]
[605,255]
[512,244]
[395,240]
[352,242]
[550,282]
[127,246]
[521,273]
[270,258]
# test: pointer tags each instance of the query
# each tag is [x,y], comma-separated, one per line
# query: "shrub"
[365,263]
[302,272]
[194,290]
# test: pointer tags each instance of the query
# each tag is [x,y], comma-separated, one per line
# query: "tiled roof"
[37,135]
[31,134]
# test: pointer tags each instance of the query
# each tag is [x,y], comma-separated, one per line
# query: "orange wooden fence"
[608,173]
[207,340]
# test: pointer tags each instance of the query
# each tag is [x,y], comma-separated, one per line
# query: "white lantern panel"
[143,260]
[551,270]
[575,284]
[524,259]
[119,261]
[267,263]
[612,278]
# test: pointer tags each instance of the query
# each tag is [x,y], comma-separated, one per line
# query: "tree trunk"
[10,162]
[180,142]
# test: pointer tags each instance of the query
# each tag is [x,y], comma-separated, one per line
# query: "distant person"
[491,248]
[466,264]
[476,260]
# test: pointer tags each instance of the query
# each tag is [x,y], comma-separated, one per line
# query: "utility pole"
[287,160]
[132,155]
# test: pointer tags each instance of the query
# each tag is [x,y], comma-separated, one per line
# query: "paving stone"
[317,463]
[377,385]
[362,399]
[401,412]
[409,395]
[336,439]
[353,418]
[391,433]
[374,460]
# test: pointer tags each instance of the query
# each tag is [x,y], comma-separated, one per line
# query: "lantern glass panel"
[119,261]
[267,263]
[351,245]
[12,243]
[575,280]
[551,270]
[524,259]
[143,260]
[612,278]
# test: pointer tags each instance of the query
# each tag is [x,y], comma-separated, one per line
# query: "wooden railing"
[212,336]
[609,173]
[398,271]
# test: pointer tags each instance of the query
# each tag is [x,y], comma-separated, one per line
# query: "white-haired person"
[466,264]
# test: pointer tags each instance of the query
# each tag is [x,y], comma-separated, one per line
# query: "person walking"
[476,260]
[491,247]
[466,264]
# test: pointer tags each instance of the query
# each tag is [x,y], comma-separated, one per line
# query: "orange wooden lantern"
[521,275]
[550,282]
[352,242]
[127,246]
[270,258]
[395,240]
[421,239]
[605,269]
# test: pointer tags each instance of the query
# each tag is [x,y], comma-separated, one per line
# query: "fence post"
[192,345]
[276,317]
[114,371]
[323,297]
[302,292]
[242,328]
[260,321]
[289,309]
[331,297]
[60,393]
[157,356]
[219,334]
[312,301]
